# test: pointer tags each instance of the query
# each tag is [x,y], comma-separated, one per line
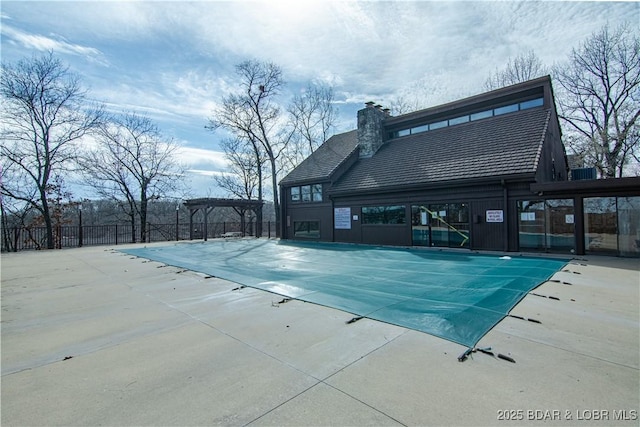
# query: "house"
[477,173]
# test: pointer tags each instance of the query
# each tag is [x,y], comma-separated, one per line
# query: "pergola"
[208,204]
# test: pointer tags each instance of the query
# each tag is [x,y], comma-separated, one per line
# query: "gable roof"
[505,145]
[324,160]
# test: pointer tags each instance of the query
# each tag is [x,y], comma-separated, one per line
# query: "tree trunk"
[47,220]
[259,211]
[133,227]
[143,216]
[276,201]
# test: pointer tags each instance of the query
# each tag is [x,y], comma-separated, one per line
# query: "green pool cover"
[455,296]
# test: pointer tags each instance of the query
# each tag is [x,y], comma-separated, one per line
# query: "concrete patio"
[92,336]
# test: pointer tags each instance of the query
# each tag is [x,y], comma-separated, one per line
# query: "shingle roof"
[499,146]
[322,162]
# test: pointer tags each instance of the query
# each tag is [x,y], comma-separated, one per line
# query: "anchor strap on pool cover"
[456,296]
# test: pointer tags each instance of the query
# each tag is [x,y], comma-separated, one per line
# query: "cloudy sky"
[174,61]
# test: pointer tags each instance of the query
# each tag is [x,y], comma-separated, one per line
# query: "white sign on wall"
[342,218]
[568,219]
[496,215]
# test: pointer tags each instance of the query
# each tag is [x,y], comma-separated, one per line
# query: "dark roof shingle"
[499,146]
[322,162]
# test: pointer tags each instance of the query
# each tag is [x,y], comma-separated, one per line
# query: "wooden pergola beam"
[208,204]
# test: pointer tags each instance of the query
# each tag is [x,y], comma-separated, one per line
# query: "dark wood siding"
[484,235]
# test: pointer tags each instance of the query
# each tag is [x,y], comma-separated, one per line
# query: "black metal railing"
[16,239]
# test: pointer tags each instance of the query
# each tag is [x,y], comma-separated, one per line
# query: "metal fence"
[16,239]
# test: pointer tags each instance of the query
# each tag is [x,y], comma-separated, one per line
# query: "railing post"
[177,223]
[16,233]
[116,234]
[269,225]
[80,236]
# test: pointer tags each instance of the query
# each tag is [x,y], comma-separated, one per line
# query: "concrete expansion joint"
[325,379]
[582,354]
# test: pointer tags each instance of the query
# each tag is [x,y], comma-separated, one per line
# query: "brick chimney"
[370,129]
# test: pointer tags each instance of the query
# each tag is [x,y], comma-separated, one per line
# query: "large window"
[444,224]
[306,229]
[600,224]
[612,225]
[629,226]
[546,225]
[383,215]
[307,193]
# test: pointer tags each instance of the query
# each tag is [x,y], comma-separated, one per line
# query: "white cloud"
[198,158]
[204,172]
[53,42]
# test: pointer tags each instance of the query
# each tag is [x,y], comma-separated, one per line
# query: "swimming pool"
[458,296]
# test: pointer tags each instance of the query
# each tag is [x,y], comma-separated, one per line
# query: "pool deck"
[92,336]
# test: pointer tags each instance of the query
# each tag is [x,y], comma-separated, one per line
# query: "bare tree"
[600,99]
[415,96]
[242,178]
[312,116]
[253,115]
[133,164]
[44,114]
[526,66]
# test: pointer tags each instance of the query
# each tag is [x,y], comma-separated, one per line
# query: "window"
[419,129]
[295,194]
[306,229]
[316,192]
[383,215]
[438,125]
[307,193]
[481,115]
[404,132]
[546,225]
[629,226]
[531,104]
[440,225]
[506,109]
[600,224]
[458,120]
